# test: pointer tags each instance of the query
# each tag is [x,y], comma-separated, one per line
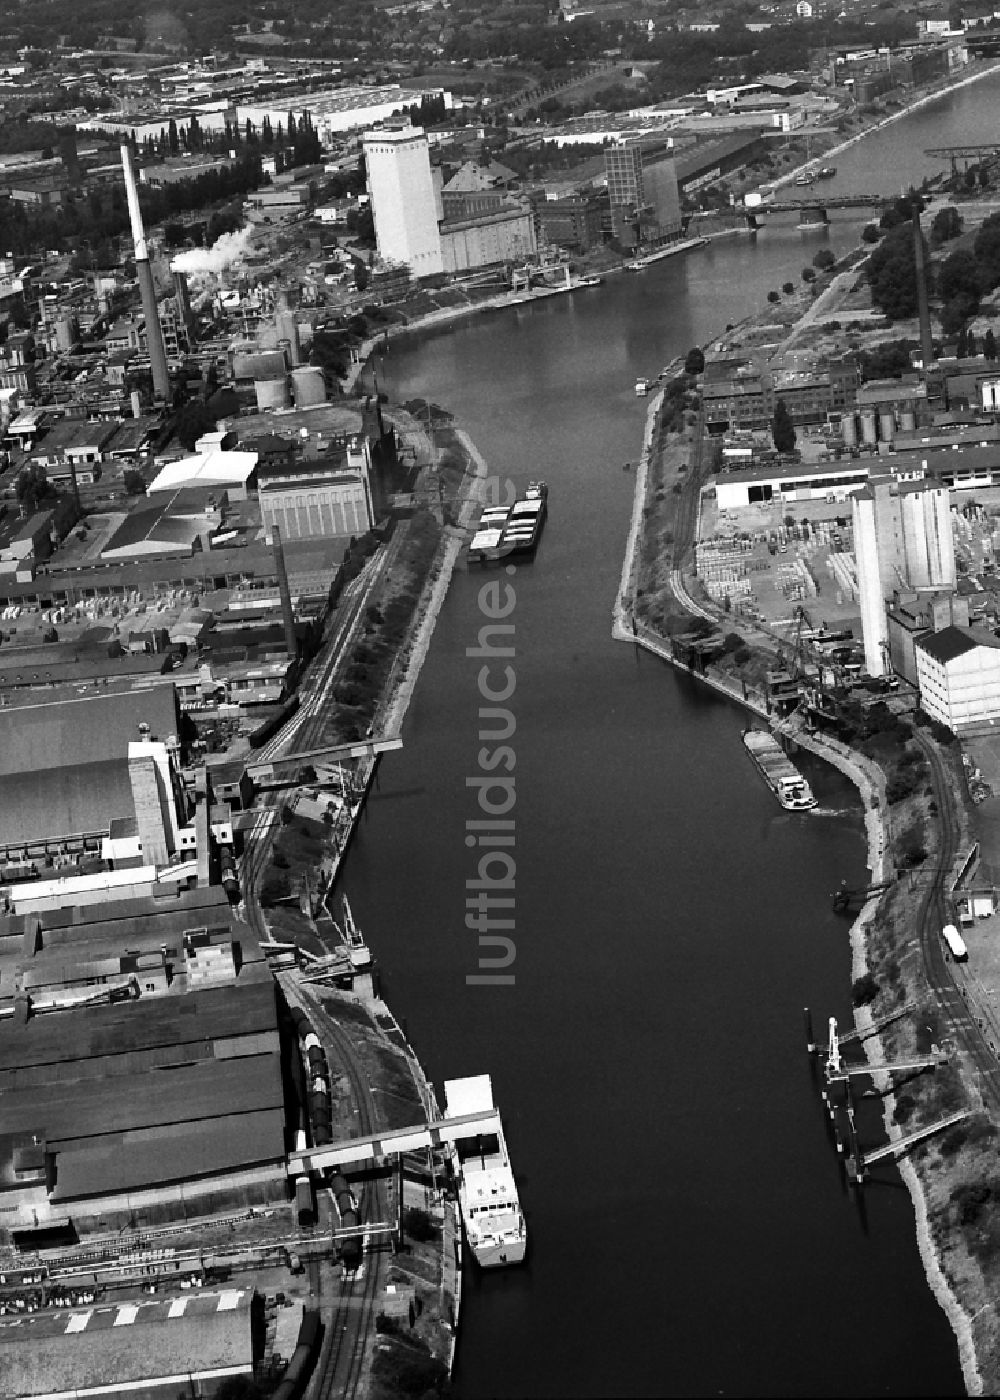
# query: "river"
[690,1230]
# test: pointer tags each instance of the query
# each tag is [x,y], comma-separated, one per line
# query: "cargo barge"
[505,531]
[778,771]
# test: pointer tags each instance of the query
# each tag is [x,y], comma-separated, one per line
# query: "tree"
[33,487]
[782,428]
[773,297]
[986,249]
[870,233]
[808,275]
[990,345]
[946,225]
[959,276]
[788,288]
[971,348]
[133,482]
[892,274]
[825,259]
[695,361]
[194,419]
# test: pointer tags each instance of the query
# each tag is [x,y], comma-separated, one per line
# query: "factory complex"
[874,551]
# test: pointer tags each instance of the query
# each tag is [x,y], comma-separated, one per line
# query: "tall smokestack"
[154,335]
[926,344]
[287,615]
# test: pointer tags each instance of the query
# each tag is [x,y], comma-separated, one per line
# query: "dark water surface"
[690,1233]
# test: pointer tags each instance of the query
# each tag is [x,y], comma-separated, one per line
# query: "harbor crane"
[837,1070]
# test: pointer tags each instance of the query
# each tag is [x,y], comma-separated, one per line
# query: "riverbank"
[869,780]
[924,100]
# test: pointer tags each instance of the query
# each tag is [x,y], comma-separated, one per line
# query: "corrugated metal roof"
[86,730]
[176,1152]
[74,1351]
[196,1017]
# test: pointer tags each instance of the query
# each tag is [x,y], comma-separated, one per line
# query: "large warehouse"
[64,761]
[168,1089]
[149,1348]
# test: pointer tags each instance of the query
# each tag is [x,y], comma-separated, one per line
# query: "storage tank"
[907,421]
[308,386]
[887,426]
[272,393]
[849,429]
[869,427]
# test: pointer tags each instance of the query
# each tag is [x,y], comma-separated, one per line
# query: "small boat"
[642,387]
[826,172]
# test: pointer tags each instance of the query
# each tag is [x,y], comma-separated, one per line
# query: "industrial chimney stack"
[287,613]
[154,334]
[926,343]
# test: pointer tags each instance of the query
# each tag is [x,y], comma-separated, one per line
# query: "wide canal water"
[690,1230]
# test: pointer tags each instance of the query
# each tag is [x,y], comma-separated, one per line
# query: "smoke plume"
[230,248]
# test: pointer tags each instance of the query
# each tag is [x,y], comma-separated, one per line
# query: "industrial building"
[404,200]
[902,538]
[741,394]
[147,1097]
[153,1347]
[319,499]
[958,673]
[64,763]
[643,191]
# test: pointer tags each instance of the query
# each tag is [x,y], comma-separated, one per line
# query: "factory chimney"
[287,614]
[926,344]
[154,335]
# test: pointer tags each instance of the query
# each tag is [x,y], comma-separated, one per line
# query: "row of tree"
[96,221]
[963,279]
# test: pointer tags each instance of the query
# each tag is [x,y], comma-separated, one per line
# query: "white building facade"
[958,673]
[404,200]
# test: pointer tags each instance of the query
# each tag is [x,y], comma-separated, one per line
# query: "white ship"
[487,1193]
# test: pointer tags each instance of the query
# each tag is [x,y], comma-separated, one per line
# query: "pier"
[836,1072]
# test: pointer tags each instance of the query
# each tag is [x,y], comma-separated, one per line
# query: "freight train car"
[299,1368]
[350,1248]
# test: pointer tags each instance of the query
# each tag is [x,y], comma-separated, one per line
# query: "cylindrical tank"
[887,426]
[288,329]
[272,393]
[849,428]
[907,420]
[308,385]
[869,427]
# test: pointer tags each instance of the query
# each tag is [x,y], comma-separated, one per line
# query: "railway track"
[354,1318]
[933,914]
